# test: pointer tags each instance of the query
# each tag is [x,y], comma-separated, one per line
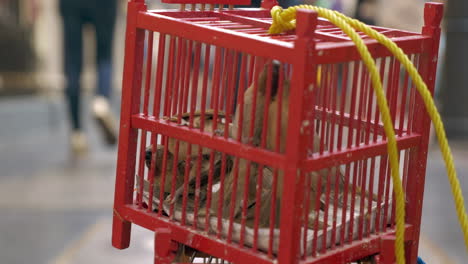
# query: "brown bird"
[257,90]
[333,175]
[158,171]
[192,158]
[209,127]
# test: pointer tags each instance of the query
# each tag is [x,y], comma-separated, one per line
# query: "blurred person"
[365,11]
[101,14]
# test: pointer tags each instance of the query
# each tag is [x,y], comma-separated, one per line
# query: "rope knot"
[280,22]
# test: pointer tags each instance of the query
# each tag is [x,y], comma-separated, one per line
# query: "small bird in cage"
[189,159]
[332,178]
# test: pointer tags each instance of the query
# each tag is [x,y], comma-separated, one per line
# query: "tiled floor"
[54,210]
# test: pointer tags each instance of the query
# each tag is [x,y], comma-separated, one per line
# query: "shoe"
[105,119]
[78,143]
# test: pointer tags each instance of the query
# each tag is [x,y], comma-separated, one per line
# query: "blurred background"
[56,207]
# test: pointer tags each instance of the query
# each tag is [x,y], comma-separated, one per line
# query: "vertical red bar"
[127,137]
[325,210]
[175,84]
[354,87]
[185,103]
[169,78]
[225,72]
[353,83]
[279,136]
[403,103]
[215,105]
[379,226]
[258,202]
[307,198]
[206,72]
[141,164]
[298,136]
[204,98]
[411,113]
[251,69]
[345,203]
[317,206]
[352,114]
[393,112]
[159,75]
[186,182]
[193,105]
[387,183]
[383,159]
[188,69]
[151,172]
[363,136]
[141,168]
[240,111]
[180,80]
[149,64]
[323,104]
[370,189]
[163,176]
[249,163]
[370,197]
[433,13]
[344,86]
[175,173]
[353,200]
[390,87]
[231,95]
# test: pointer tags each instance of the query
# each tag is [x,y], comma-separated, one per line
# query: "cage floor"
[359,221]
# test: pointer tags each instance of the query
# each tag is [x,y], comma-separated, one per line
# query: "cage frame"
[139,19]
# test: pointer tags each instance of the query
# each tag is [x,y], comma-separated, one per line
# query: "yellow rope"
[285,20]
[433,114]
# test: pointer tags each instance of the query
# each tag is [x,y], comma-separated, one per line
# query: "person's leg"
[103,18]
[72,49]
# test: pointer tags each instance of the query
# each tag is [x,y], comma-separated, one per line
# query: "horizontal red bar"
[347,119]
[195,239]
[195,136]
[357,249]
[246,20]
[345,156]
[344,51]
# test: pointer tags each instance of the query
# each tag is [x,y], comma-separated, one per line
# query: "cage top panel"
[257,21]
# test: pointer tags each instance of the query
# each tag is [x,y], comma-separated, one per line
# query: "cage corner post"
[433,13]
[298,132]
[269,4]
[128,136]
[164,247]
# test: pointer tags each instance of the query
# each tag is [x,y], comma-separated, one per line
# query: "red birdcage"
[257,148]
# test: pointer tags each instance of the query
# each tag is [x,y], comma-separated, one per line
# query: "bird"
[209,127]
[158,170]
[333,177]
[189,159]
[253,96]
